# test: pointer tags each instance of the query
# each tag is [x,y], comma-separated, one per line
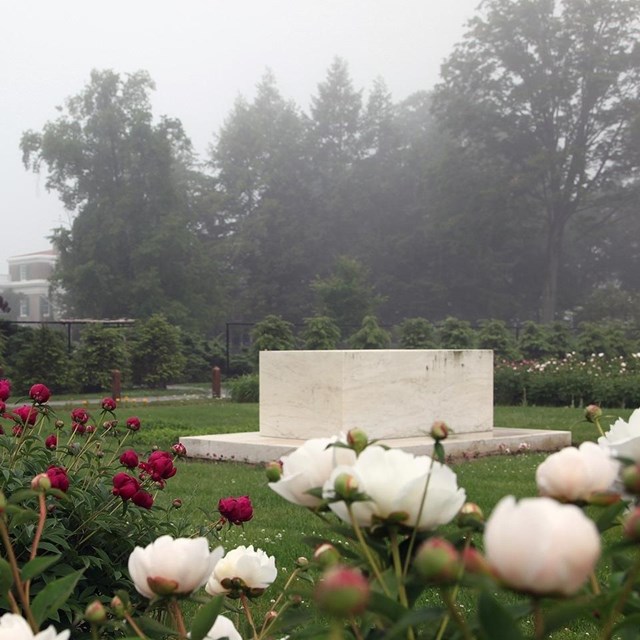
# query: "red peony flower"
[142,499]
[129,458]
[159,466]
[80,415]
[39,393]
[25,414]
[51,442]
[59,478]
[133,423]
[124,485]
[236,510]
[108,404]
[5,389]
[17,431]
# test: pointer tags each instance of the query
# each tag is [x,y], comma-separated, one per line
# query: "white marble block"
[390,393]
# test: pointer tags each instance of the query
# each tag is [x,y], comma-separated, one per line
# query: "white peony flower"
[394,480]
[172,566]
[575,474]
[255,568]
[14,627]
[541,546]
[308,467]
[223,628]
[624,437]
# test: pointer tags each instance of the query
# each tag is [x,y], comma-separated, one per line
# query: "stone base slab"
[252,447]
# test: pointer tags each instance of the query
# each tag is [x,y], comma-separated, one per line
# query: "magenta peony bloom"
[142,499]
[108,404]
[179,449]
[129,458]
[79,428]
[124,485]
[133,423]
[39,393]
[25,414]
[159,466]
[80,415]
[51,442]
[236,510]
[59,478]
[5,389]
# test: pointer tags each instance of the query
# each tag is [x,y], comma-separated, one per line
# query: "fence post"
[215,382]
[116,384]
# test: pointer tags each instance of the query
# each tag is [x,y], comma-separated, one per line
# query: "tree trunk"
[555,241]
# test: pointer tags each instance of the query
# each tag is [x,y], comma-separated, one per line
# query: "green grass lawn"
[278,527]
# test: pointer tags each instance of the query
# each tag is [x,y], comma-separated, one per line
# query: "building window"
[22,272]
[24,307]
[45,307]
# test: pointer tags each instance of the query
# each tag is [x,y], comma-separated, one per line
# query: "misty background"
[201,54]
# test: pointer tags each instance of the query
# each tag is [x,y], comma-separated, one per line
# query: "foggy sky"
[202,54]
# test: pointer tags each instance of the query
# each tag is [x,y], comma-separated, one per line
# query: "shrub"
[456,334]
[320,332]
[370,336]
[534,341]
[602,337]
[156,356]
[272,334]
[495,335]
[245,388]
[87,532]
[39,354]
[417,333]
[100,351]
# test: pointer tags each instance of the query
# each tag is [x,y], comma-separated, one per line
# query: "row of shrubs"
[151,354]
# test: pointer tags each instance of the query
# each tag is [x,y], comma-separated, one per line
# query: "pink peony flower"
[51,442]
[25,414]
[79,428]
[159,466]
[5,389]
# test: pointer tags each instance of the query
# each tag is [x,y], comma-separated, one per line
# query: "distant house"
[29,285]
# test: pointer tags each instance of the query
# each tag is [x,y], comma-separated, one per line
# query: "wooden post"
[215,382]
[116,382]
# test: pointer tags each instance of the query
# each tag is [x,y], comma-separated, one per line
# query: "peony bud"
[177,503]
[118,607]
[592,413]
[470,515]
[142,499]
[357,440]
[437,560]
[474,562]
[345,486]
[133,423]
[95,613]
[51,442]
[631,525]
[274,471]
[439,431]
[631,478]
[236,510]
[80,416]
[58,424]
[39,393]
[326,555]
[179,449]
[108,404]
[129,458]
[342,592]
[302,562]
[41,482]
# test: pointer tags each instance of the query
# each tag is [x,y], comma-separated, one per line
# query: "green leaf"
[206,616]
[496,623]
[6,577]
[562,614]
[608,518]
[385,606]
[36,566]
[153,628]
[21,495]
[53,596]
[415,617]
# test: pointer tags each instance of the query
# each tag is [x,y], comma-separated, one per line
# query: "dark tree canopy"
[550,90]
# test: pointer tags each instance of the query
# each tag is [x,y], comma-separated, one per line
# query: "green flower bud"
[437,561]
[357,439]
[95,613]
[439,431]
[274,471]
[592,413]
[342,592]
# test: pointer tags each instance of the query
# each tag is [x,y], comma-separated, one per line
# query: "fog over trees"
[511,191]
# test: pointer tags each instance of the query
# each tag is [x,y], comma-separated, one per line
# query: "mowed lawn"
[279,527]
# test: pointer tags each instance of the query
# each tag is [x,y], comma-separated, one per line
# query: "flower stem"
[455,614]
[247,612]
[134,626]
[178,618]
[397,567]
[367,552]
[619,605]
